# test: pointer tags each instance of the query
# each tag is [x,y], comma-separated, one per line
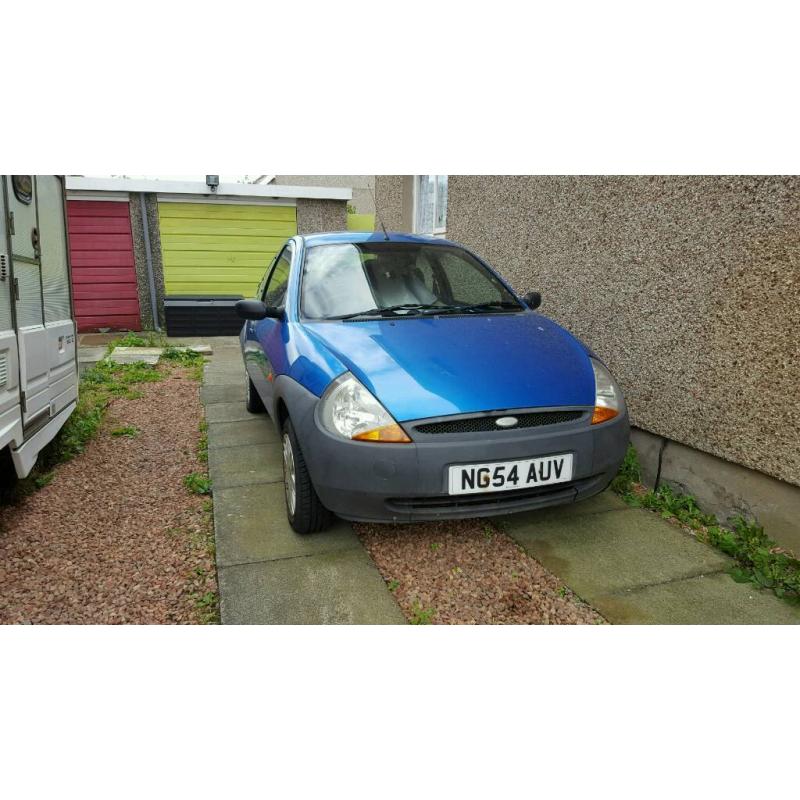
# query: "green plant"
[629,473]
[420,615]
[43,480]
[143,339]
[202,444]
[197,483]
[182,355]
[393,585]
[759,560]
[206,603]
[435,546]
[671,504]
[126,430]
[191,359]
[488,532]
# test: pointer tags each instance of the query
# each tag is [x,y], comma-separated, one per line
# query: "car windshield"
[398,279]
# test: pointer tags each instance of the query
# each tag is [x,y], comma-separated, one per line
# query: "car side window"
[278,281]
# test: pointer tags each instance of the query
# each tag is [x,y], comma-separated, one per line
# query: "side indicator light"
[603,414]
[388,433]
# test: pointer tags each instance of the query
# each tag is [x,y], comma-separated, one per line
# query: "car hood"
[434,366]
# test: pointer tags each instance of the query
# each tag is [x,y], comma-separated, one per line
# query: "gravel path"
[116,537]
[468,572]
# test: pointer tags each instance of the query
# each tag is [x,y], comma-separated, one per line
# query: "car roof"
[359,237]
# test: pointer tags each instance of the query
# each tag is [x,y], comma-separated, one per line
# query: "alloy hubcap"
[289,479]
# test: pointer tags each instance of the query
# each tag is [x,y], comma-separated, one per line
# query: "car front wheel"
[303,507]
[252,399]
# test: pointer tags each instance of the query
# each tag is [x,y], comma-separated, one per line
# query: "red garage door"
[103,273]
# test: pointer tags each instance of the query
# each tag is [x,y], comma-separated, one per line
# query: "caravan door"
[45,331]
[62,381]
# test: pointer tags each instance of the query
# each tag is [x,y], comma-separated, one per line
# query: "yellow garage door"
[224,248]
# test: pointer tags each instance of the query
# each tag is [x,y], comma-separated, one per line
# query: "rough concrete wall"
[318,216]
[390,191]
[362,186]
[143,286]
[140,259]
[689,287]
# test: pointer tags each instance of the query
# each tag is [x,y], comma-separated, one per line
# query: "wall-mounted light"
[212,181]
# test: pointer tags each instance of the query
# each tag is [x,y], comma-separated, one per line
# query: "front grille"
[487,423]
[445,502]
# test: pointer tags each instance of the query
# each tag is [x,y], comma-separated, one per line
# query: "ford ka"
[408,381]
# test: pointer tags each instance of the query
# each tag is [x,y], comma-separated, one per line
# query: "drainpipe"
[149,256]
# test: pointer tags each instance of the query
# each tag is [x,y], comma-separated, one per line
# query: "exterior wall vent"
[3,266]
[3,370]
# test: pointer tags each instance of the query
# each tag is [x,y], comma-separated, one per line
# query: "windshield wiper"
[379,312]
[494,305]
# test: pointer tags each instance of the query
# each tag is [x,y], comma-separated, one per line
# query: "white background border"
[315,88]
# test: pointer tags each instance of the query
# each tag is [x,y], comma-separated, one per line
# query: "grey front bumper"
[371,482]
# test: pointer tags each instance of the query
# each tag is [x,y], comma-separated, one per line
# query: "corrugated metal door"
[220,248]
[103,271]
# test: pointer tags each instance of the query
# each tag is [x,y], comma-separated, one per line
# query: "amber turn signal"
[603,414]
[388,433]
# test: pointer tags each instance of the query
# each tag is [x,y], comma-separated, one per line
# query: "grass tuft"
[126,430]
[420,615]
[197,483]
[759,559]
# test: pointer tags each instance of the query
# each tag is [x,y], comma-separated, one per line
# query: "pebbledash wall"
[688,287]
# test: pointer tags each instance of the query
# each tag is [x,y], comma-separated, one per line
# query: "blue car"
[409,382]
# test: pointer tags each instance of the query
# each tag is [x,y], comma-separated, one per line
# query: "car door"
[270,358]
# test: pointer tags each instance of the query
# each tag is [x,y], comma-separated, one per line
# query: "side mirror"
[255,309]
[533,300]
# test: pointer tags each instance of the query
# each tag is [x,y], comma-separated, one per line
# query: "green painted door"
[220,248]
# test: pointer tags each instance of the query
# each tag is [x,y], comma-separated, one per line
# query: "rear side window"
[278,281]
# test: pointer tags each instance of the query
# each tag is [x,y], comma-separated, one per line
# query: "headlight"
[608,401]
[349,410]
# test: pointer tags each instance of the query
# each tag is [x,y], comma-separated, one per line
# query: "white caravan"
[38,364]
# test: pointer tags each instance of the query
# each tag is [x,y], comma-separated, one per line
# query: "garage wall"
[103,273]
[220,248]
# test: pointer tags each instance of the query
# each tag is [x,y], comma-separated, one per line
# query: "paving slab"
[89,356]
[258,430]
[223,377]
[600,503]
[341,587]
[606,552]
[706,600]
[255,528]
[134,355]
[222,394]
[242,465]
[231,412]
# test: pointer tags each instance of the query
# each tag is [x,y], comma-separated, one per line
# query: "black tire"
[252,399]
[8,474]
[308,514]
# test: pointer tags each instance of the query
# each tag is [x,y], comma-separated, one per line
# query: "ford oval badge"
[506,422]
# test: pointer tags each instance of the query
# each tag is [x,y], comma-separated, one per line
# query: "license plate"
[505,476]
